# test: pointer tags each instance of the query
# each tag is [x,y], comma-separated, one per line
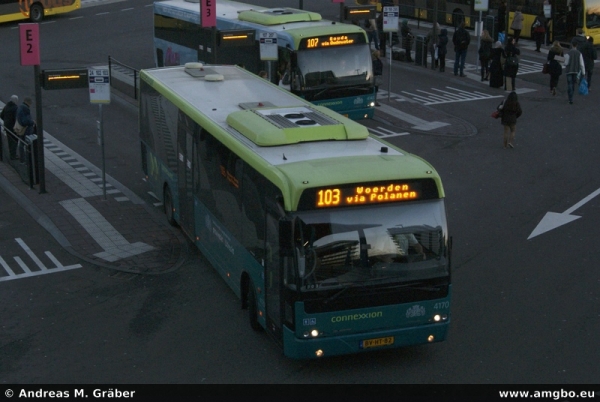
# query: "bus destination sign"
[368,194]
[317,42]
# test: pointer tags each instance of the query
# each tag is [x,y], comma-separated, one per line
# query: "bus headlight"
[372,104]
[311,334]
[439,317]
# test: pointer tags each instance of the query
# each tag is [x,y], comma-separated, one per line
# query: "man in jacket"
[461,40]
[574,67]
[588,52]
[25,120]
[9,116]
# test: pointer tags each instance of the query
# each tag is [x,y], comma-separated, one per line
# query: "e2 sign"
[29,35]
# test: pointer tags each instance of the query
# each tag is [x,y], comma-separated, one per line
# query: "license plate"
[374,343]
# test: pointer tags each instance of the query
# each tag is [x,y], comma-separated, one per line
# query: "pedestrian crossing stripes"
[435,96]
[383,132]
[526,66]
[23,270]
[448,95]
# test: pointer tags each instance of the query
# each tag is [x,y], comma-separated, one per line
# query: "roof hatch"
[277,16]
[269,126]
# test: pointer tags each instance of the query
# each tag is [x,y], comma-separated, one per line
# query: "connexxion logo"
[356,317]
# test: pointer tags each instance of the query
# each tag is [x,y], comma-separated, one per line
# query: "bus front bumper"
[363,342]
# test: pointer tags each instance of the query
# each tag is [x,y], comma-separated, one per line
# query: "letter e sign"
[208,13]
[30,44]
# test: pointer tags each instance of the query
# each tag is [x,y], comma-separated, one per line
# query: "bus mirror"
[286,237]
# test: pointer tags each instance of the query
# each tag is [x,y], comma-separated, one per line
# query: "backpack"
[463,39]
[512,61]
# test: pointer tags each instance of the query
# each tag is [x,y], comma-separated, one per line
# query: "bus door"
[185,132]
[564,21]
[274,302]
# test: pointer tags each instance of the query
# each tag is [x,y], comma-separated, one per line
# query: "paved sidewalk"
[121,232]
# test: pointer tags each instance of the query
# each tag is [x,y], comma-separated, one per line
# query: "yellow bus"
[35,10]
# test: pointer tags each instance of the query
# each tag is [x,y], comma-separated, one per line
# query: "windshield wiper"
[339,292]
[335,88]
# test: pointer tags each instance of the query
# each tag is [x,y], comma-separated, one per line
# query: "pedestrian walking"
[539,30]
[589,69]
[370,26]
[517,24]
[407,40]
[554,67]
[511,63]
[432,40]
[510,110]
[9,117]
[496,68]
[574,68]
[485,54]
[588,51]
[442,48]
[377,72]
[461,40]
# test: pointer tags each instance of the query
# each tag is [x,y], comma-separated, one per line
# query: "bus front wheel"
[36,13]
[253,307]
[168,205]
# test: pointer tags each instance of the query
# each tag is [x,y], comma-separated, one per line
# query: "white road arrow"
[113,243]
[552,220]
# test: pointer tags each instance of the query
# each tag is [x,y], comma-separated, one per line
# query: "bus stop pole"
[479,32]
[101,129]
[390,66]
[39,129]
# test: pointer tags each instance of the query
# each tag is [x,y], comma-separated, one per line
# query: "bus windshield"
[404,242]
[592,11]
[349,65]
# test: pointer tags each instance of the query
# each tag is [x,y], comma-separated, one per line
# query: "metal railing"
[20,152]
[123,78]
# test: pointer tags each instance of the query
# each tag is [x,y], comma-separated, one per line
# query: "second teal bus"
[325,62]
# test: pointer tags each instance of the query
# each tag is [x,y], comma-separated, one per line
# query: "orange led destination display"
[318,42]
[368,194]
[360,195]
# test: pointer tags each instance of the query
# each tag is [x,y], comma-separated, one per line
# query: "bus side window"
[253,212]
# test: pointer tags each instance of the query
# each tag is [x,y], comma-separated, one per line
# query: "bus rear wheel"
[36,13]
[253,307]
[168,205]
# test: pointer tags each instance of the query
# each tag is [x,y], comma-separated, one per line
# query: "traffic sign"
[268,46]
[29,35]
[99,84]
[208,13]
[391,15]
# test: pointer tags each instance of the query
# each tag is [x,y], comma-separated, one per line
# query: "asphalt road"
[524,310]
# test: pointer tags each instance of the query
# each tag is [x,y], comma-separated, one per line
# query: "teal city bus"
[335,241]
[326,62]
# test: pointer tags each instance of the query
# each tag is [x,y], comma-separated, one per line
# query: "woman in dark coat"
[511,50]
[510,111]
[485,53]
[554,67]
[442,48]
[496,71]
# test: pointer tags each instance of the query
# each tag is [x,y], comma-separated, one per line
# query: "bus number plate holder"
[373,343]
